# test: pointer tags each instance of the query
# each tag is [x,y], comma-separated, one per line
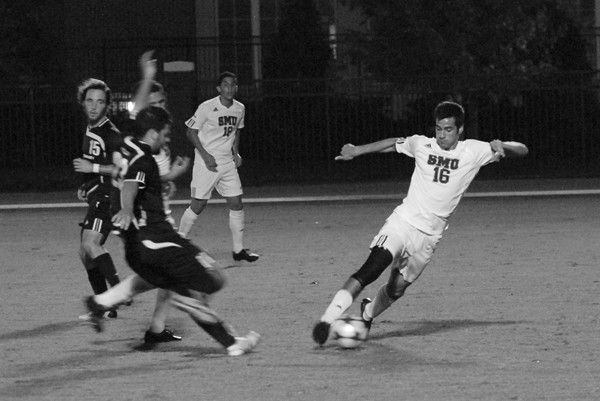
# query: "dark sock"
[105,264]
[218,332]
[97,280]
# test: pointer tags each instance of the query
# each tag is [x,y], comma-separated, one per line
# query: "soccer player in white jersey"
[444,168]
[214,130]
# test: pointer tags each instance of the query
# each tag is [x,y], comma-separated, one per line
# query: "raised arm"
[148,69]
[509,149]
[350,151]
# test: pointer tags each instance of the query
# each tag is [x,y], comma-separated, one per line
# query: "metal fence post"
[32,133]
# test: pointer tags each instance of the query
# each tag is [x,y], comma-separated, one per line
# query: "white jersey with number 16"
[440,179]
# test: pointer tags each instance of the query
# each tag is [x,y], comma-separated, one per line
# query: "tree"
[27,53]
[468,37]
[300,48]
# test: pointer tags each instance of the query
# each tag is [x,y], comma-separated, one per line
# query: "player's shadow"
[40,331]
[423,328]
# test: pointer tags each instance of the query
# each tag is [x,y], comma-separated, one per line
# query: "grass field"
[508,310]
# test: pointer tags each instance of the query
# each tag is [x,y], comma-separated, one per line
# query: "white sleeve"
[405,145]
[483,151]
[198,119]
[241,124]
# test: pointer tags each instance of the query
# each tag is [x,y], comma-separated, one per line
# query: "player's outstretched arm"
[350,151]
[180,165]
[509,148]
[148,70]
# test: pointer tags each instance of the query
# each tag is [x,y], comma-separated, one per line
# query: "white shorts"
[226,180]
[412,249]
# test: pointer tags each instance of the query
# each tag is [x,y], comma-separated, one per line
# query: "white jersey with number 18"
[440,179]
[217,126]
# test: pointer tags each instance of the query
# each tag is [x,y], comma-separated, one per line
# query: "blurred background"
[313,76]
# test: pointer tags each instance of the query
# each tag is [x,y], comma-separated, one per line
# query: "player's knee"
[376,263]
[86,248]
[234,202]
[396,290]
[217,279]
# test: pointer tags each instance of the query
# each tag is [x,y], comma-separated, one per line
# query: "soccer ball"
[349,331]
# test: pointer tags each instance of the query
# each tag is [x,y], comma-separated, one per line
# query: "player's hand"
[180,165]
[124,219]
[82,166]
[498,147]
[148,65]
[168,189]
[348,152]
[84,188]
[82,194]
[237,159]
[211,163]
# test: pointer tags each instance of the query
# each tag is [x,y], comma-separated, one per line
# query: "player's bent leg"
[128,288]
[89,250]
[158,333]
[208,320]
[190,215]
[379,259]
[339,304]
[161,309]
[386,295]
[104,305]
[195,306]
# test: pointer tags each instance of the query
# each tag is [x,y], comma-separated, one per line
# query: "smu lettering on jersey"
[99,144]
[141,167]
[440,179]
[217,126]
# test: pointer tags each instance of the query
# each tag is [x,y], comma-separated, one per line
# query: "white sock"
[236,224]
[340,303]
[187,221]
[118,294]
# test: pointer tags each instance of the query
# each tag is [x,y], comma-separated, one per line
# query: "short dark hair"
[226,74]
[450,109]
[151,117]
[93,83]
[155,86]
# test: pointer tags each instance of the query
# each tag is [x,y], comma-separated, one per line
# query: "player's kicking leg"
[98,305]
[378,260]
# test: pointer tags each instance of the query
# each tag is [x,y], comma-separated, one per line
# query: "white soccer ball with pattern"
[349,331]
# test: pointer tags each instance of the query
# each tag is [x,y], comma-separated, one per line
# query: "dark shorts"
[165,259]
[98,218]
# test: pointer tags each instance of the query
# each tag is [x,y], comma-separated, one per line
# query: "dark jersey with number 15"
[142,168]
[99,144]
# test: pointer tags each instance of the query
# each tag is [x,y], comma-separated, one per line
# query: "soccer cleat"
[363,305]
[245,255]
[164,336]
[110,314]
[243,345]
[321,332]
[97,313]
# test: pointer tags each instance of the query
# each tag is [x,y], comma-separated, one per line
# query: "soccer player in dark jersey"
[158,255]
[101,141]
